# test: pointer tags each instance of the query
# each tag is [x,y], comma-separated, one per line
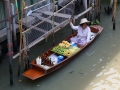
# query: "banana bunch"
[59,50]
[64,44]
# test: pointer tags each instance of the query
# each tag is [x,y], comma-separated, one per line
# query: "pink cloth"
[83,36]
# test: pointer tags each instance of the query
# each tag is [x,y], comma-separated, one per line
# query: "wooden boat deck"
[33,73]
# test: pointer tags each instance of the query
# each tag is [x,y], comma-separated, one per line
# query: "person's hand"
[71,20]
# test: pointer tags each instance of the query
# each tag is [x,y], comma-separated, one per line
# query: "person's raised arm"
[72,26]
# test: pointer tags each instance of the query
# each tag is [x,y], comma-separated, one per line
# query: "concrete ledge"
[3,33]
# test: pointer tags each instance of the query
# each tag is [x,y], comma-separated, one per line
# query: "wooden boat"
[37,71]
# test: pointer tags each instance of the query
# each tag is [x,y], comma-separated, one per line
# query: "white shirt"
[82,33]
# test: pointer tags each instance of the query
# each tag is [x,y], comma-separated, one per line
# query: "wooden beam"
[57,14]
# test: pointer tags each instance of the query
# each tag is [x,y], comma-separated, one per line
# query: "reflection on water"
[110,82]
[109,77]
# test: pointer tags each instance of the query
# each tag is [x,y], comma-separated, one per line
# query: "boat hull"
[37,71]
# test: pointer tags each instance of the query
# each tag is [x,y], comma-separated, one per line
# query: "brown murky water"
[95,68]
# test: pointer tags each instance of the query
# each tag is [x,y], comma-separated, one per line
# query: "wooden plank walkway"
[3,33]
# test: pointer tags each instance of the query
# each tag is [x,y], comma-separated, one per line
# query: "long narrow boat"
[44,65]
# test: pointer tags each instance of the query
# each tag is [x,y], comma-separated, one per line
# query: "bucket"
[74,45]
[60,58]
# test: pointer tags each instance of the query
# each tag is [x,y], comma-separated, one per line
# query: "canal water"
[97,67]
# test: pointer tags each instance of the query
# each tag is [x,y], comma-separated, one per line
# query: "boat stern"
[33,73]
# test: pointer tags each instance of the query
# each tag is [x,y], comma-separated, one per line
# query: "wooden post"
[114,14]
[31,2]
[19,7]
[13,29]
[89,11]
[96,7]
[99,8]
[72,16]
[9,39]
[21,37]
[85,6]
[53,23]
[25,41]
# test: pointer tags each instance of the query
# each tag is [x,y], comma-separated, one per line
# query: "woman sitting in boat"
[83,35]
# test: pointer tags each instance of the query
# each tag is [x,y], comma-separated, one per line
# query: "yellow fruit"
[68,54]
[59,44]
[72,51]
[75,47]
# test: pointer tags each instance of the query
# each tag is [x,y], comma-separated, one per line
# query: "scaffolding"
[44,22]
[41,20]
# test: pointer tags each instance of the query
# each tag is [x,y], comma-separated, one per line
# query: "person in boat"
[83,35]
